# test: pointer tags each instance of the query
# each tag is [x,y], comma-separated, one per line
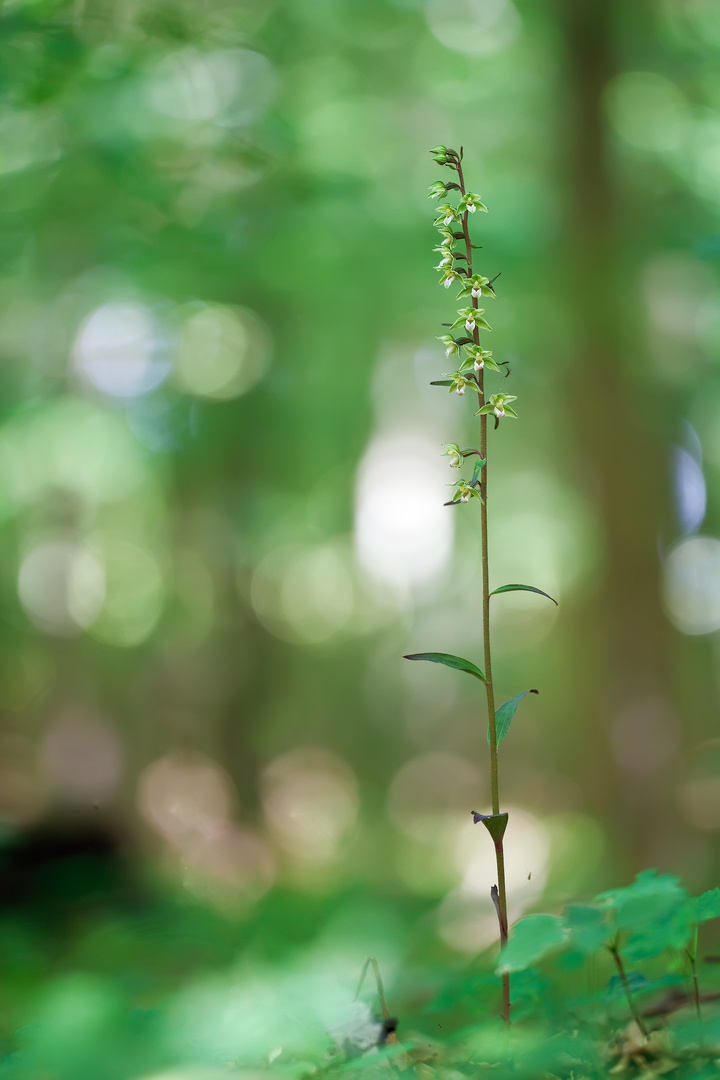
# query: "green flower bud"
[444,156]
[438,190]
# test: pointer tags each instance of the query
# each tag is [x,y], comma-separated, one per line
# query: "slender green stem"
[626,986]
[696,989]
[691,954]
[489,689]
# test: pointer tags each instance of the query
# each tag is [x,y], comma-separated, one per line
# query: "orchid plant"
[455,267]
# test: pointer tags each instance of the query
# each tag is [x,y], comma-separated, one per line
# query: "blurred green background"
[221,487]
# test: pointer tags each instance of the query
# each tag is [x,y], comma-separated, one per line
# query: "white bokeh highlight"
[691,585]
[690,490]
[116,350]
[403,533]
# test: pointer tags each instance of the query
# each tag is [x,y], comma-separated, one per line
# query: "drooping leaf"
[450,661]
[504,715]
[706,906]
[522,588]
[589,927]
[530,940]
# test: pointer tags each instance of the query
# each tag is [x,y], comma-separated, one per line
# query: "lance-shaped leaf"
[478,468]
[442,382]
[450,661]
[522,588]
[504,715]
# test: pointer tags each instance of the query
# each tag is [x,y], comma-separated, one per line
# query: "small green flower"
[446,257]
[498,404]
[449,276]
[446,215]
[452,450]
[479,358]
[451,345]
[464,492]
[448,238]
[471,203]
[459,382]
[472,318]
[476,286]
[438,190]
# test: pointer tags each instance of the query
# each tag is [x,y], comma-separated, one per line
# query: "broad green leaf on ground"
[504,715]
[530,940]
[522,588]
[450,661]
[654,909]
[589,927]
[650,898]
[706,906]
[672,932]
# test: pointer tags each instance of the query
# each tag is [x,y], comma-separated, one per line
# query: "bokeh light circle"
[476,27]
[116,350]
[134,593]
[226,86]
[223,351]
[61,585]
[691,585]
[310,799]
[403,533]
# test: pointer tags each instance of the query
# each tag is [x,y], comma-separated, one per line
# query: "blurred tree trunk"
[619,458]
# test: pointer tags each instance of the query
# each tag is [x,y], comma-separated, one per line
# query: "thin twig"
[626,986]
[371,961]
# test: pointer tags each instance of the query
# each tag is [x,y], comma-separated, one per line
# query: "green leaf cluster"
[641,921]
